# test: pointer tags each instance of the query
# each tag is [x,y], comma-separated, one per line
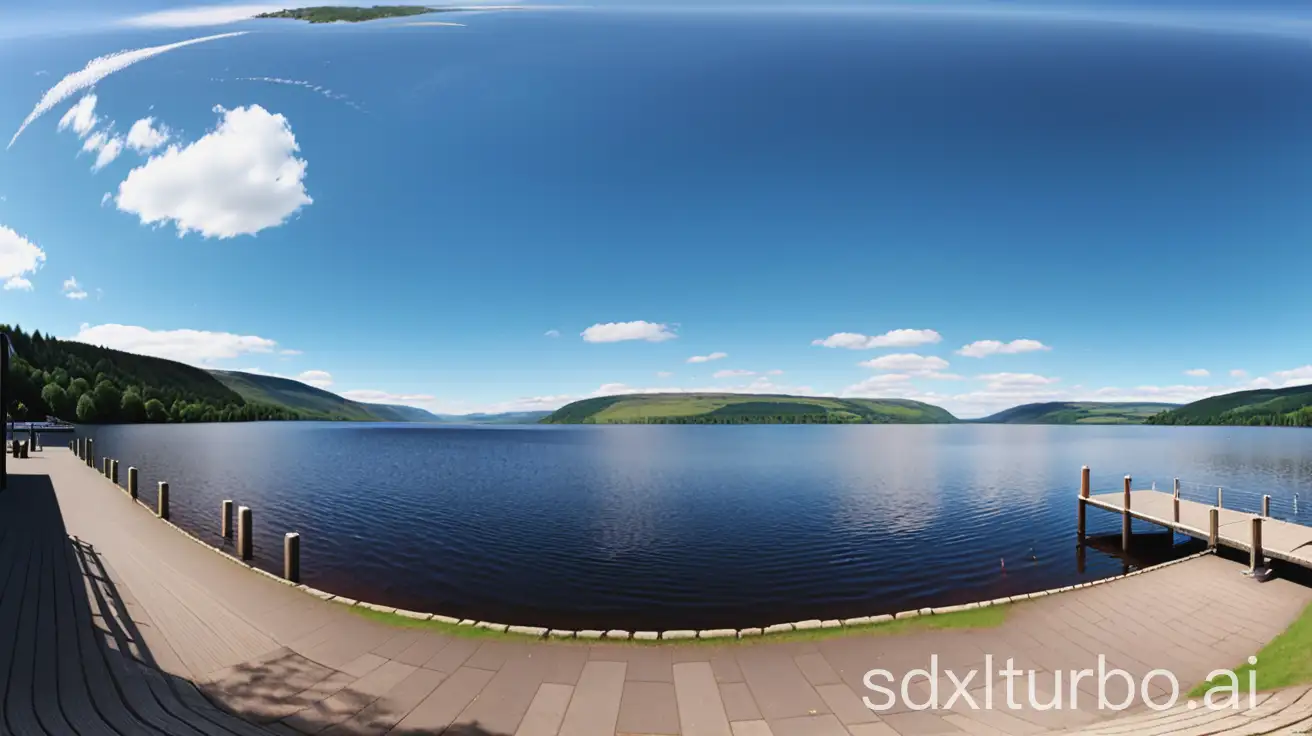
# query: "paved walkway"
[113,623]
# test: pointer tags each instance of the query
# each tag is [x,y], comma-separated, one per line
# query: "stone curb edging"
[538,632]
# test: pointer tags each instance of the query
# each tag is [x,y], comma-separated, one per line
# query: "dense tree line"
[83,383]
[1299,418]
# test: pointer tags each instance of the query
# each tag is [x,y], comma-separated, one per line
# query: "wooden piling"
[162,509]
[1084,495]
[1266,506]
[291,557]
[113,471]
[91,453]
[1257,560]
[244,532]
[1125,518]
[1213,527]
[225,521]
[1218,497]
[1175,501]
[132,482]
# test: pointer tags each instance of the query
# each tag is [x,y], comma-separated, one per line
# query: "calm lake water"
[654,527]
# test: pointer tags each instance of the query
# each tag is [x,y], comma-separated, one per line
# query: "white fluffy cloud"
[1239,373]
[983,348]
[73,290]
[732,373]
[198,16]
[370,396]
[620,331]
[707,358]
[890,339]
[906,362]
[318,379]
[18,258]
[197,347]
[81,117]
[1198,372]
[551,333]
[237,180]
[108,150]
[96,70]
[145,136]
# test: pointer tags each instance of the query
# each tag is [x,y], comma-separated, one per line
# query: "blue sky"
[977,206]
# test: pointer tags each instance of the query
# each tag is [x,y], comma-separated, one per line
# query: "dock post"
[1218,497]
[1084,495]
[291,557]
[104,466]
[132,483]
[1125,518]
[244,532]
[91,453]
[1175,500]
[113,471]
[1266,506]
[1257,559]
[162,510]
[1213,527]
[225,525]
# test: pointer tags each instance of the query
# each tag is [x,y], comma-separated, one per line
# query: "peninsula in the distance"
[347,14]
[352,14]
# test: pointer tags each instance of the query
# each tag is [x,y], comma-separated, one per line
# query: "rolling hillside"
[1281,407]
[1078,412]
[399,413]
[745,409]
[309,401]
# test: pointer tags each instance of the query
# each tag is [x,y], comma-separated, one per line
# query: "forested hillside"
[85,383]
[1267,407]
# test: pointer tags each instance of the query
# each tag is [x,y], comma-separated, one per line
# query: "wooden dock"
[112,623]
[1255,533]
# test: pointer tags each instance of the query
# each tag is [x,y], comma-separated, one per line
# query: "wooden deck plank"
[1280,539]
[73,694]
[20,707]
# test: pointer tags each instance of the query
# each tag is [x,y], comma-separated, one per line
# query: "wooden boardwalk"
[1281,540]
[113,623]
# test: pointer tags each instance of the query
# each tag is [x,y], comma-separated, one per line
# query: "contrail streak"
[96,70]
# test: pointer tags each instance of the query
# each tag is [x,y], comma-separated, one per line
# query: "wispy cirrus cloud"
[96,70]
[707,358]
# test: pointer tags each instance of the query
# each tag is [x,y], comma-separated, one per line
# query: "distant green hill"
[399,413]
[745,409]
[1281,407]
[308,401]
[1078,412]
[509,417]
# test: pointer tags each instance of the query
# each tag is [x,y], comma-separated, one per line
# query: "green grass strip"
[1285,662]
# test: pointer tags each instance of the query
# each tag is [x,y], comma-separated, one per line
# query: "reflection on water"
[689,526]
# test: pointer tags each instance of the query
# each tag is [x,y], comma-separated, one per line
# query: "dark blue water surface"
[686,526]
